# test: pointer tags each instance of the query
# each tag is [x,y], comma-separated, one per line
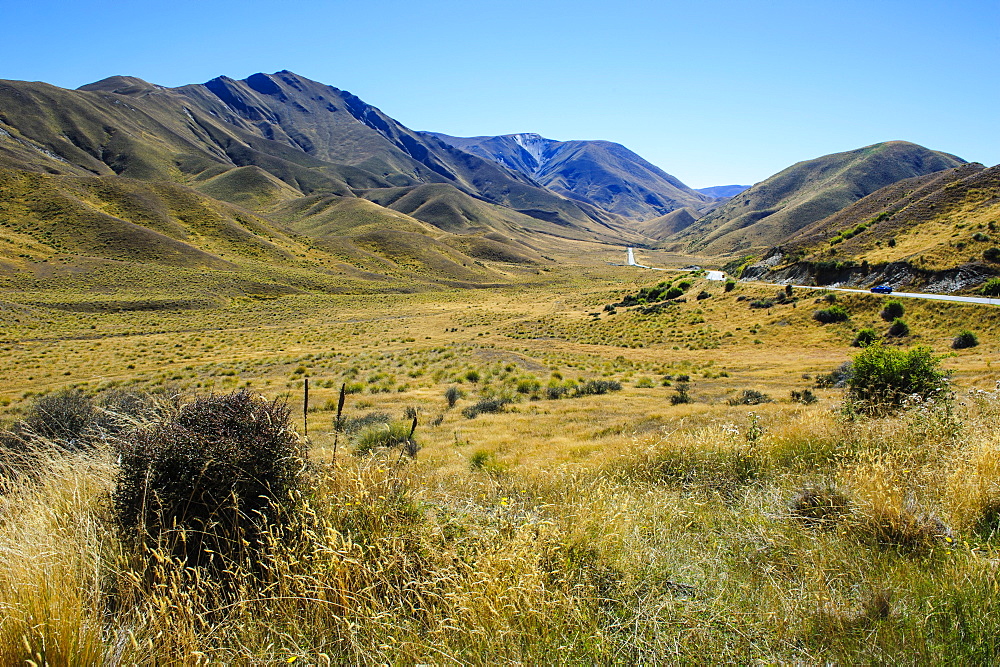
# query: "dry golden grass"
[603,528]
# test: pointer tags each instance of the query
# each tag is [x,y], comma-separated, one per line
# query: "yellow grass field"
[619,527]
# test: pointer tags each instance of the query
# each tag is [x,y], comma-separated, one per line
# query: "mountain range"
[290,184]
[602,173]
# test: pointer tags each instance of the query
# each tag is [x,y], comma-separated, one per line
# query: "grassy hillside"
[667,225]
[132,241]
[771,211]
[266,129]
[908,232]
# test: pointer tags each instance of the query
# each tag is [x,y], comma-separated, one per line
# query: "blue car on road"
[882,289]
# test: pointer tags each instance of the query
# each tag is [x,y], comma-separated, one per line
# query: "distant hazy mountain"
[601,173]
[721,191]
[769,212]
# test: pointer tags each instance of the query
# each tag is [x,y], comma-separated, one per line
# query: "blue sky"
[714,92]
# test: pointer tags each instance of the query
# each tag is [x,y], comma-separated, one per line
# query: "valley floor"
[662,521]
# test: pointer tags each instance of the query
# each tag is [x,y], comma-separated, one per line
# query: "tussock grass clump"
[487,405]
[974,492]
[750,397]
[819,504]
[354,425]
[889,515]
[378,436]
[206,483]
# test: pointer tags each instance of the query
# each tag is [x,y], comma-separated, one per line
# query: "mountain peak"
[123,85]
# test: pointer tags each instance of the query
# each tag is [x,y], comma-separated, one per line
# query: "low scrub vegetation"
[624,526]
[964,339]
[834,313]
[884,378]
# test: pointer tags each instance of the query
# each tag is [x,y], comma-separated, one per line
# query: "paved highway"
[912,295]
[719,275]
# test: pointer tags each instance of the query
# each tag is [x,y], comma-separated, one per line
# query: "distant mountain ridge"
[723,191]
[601,173]
[273,171]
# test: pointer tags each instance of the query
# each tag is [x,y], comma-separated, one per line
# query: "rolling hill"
[941,229]
[601,173]
[771,211]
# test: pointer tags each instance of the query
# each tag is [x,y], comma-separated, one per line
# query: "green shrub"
[472,376]
[597,387]
[805,397]
[762,303]
[65,417]
[992,254]
[834,313]
[681,396]
[865,337]
[452,394]
[729,285]
[883,377]
[750,397]
[991,287]
[206,484]
[898,328]
[964,339]
[892,310]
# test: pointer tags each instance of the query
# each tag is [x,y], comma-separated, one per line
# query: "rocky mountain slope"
[601,173]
